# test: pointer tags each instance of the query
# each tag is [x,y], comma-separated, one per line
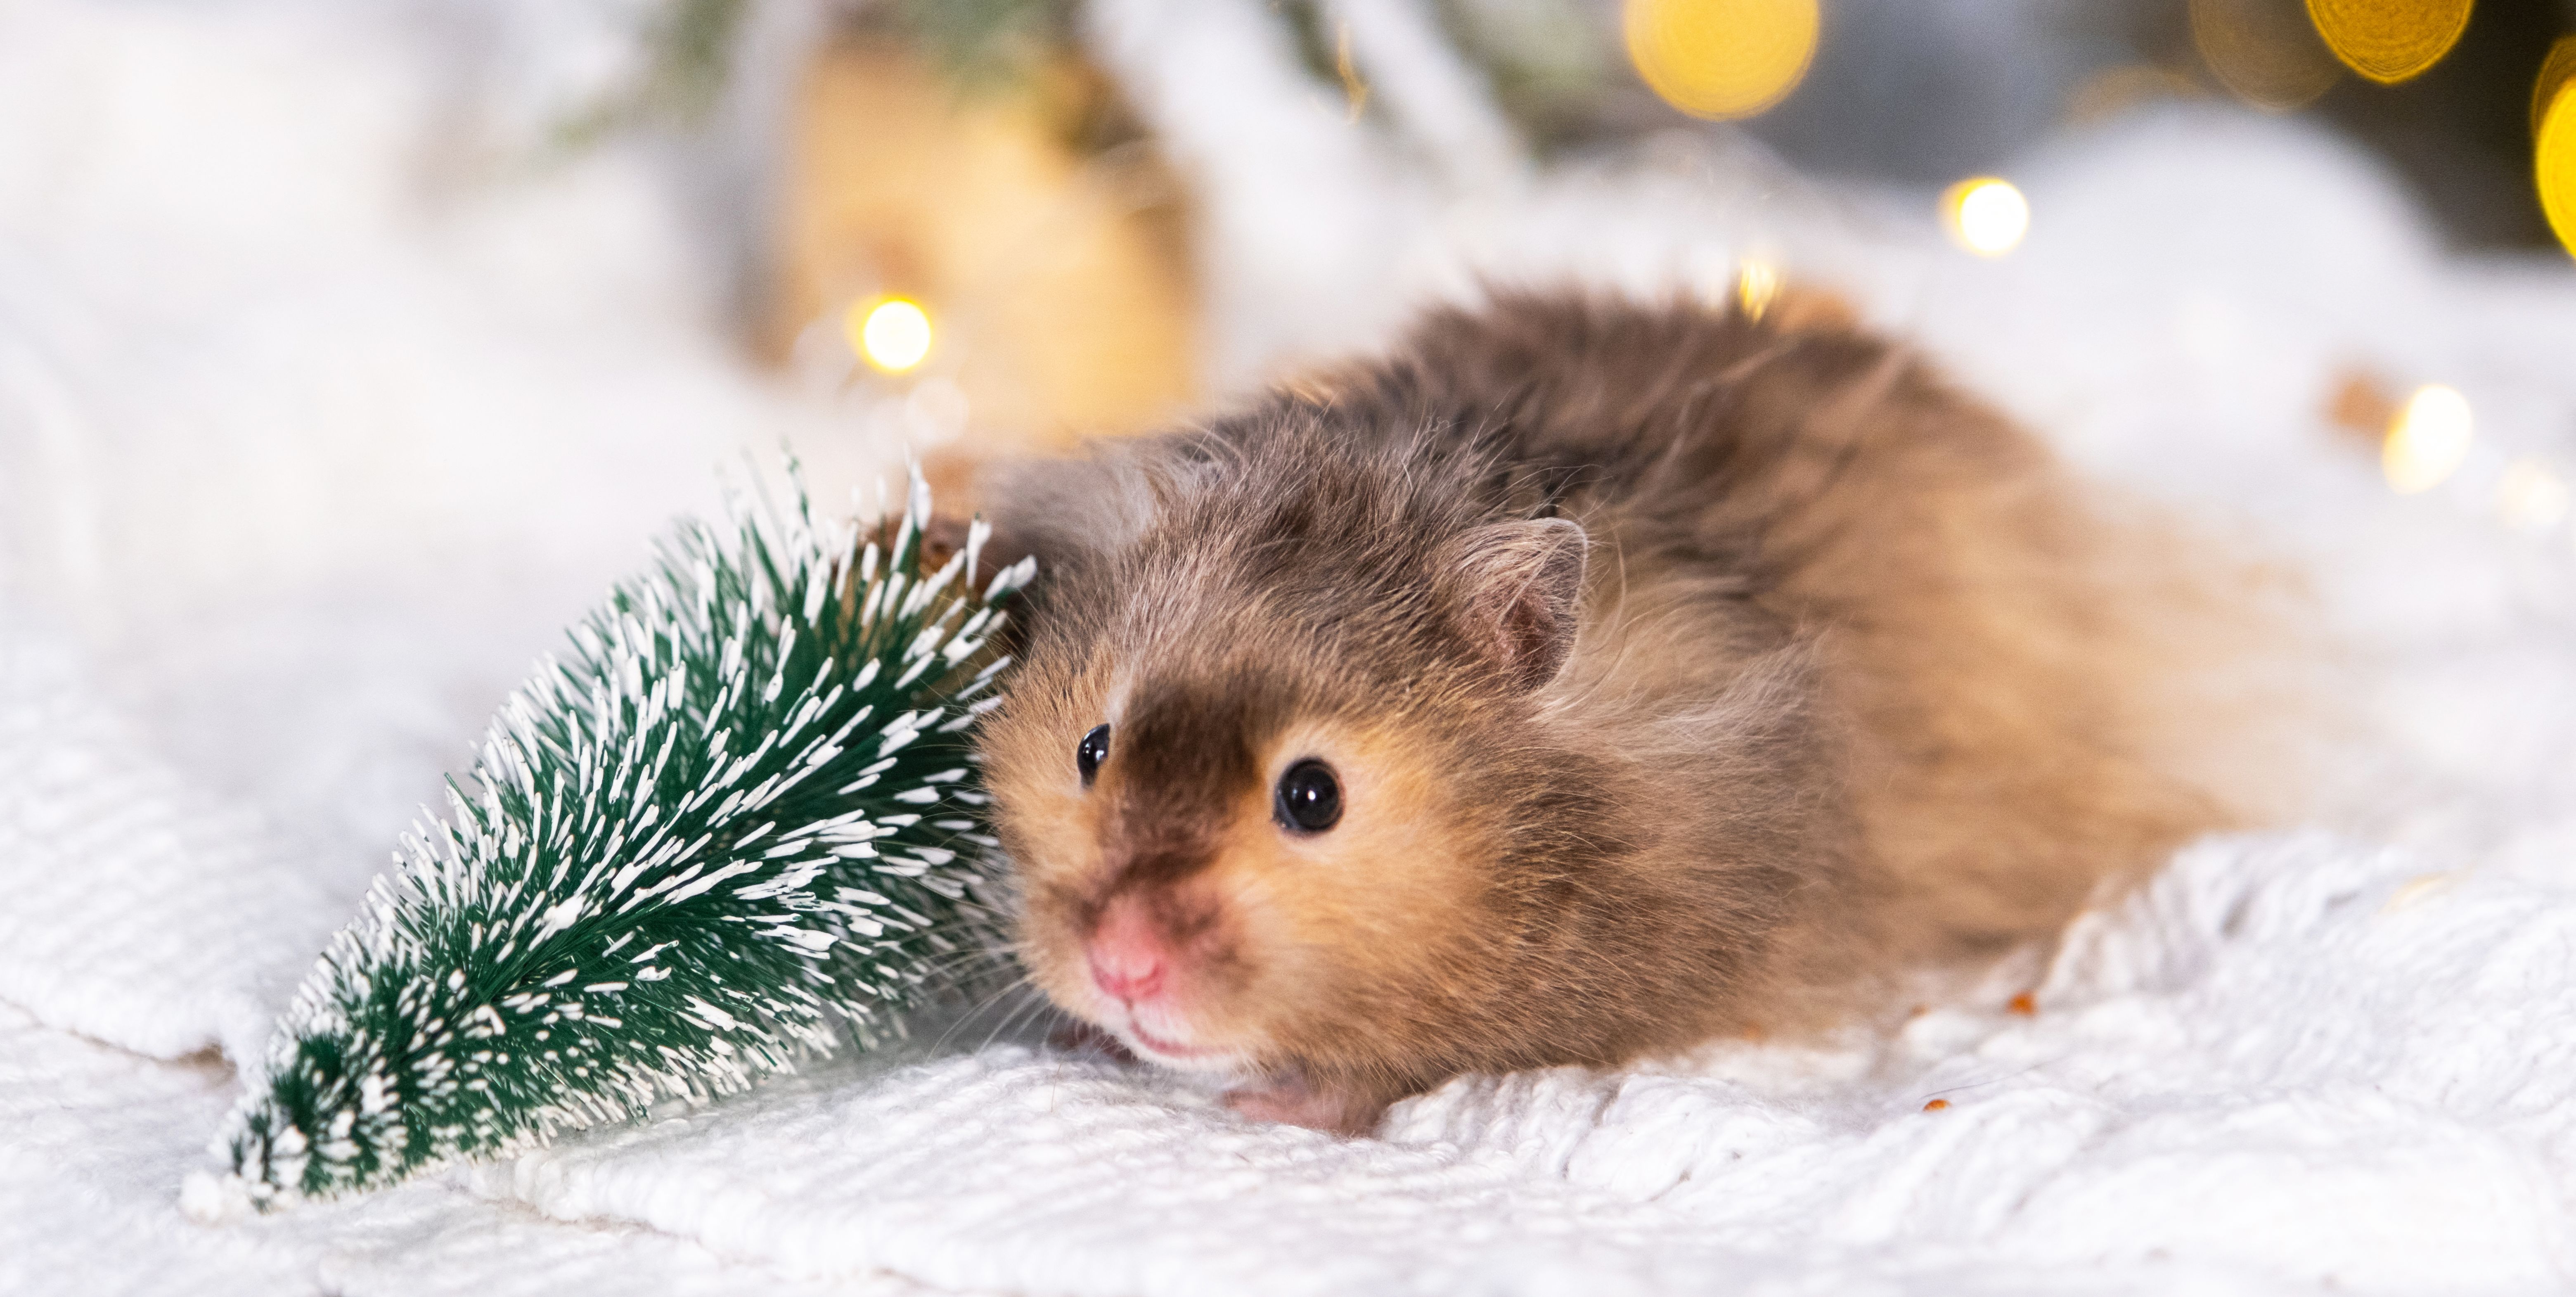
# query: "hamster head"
[1260,764]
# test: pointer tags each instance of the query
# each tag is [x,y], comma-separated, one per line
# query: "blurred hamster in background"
[1582,681]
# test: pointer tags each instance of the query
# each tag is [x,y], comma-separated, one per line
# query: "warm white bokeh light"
[2264,51]
[893,333]
[1987,216]
[2532,497]
[1756,283]
[2428,439]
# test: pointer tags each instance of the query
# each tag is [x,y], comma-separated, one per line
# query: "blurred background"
[349,348]
[1068,202]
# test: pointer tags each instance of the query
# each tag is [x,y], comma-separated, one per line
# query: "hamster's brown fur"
[1684,674]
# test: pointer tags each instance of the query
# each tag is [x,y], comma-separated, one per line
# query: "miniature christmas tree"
[737,827]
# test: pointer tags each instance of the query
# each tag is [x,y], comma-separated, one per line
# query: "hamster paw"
[1290,1100]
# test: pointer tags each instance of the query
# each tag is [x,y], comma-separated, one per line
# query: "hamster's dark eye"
[1090,752]
[1309,799]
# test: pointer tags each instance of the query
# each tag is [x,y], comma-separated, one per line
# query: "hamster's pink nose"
[1127,952]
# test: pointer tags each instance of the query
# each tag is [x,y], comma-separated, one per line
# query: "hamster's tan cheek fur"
[1050,942]
[1051,828]
[1333,929]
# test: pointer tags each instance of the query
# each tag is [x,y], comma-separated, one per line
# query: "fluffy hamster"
[1579,681]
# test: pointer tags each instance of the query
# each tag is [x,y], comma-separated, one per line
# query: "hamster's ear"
[1067,512]
[1521,587]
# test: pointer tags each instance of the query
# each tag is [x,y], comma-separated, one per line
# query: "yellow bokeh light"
[1722,58]
[2390,41]
[2264,51]
[1756,283]
[2116,90]
[2427,440]
[893,333]
[2556,68]
[2553,165]
[1987,216]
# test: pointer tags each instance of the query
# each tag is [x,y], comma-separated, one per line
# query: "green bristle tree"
[739,825]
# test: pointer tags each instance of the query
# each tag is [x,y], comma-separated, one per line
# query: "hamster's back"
[1861,681]
[2031,683]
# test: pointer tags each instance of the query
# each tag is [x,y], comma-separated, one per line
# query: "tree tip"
[211,1199]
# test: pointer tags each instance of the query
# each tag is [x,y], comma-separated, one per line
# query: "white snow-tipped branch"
[690,853]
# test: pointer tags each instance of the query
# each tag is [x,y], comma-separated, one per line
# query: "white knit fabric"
[142,912]
[307,447]
[2292,1062]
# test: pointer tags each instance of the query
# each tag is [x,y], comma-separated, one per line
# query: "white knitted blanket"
[299,468]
